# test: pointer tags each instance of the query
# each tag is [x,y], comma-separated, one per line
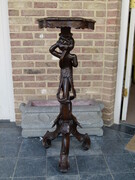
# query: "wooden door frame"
[128,72]
[6,56]
[121,59]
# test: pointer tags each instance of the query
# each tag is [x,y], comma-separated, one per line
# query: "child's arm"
[54,52]
[74,60]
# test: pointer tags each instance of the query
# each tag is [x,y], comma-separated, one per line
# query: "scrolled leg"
[49,136]
[86,142]
[84,138]
[64,162]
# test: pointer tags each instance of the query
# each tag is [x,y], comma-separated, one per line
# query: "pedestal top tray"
[72,22]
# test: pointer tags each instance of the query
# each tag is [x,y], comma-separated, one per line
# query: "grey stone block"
[38,117]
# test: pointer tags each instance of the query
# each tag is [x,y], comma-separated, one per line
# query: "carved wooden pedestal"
[66,123]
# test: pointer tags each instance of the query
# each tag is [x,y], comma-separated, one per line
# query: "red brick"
[35,84]
[30,28]
[45,5]
[109,78]
[32,13]
[110,71]
[20,20]
[57,12]
[111,43]
[51,97]
[111,50]
[113,21]
[46,64]
[77,77]
[15,43]
[98,5]
[92,64]
[17,71]
[94,36]
[14,28]
[24,91]
[22,64]
[82,84]
[91,77]
[110,64]
[98,57]
[92,50]
[53,71]
[23,78]
[47,78]
[83,43]
[97,70]
[50,42]
[34,43]
[22,50]
[96,83]
[16,57]
[52,84]
[77,35]
[82,13]
[100,13]
[13,12]
[41,49]
[21,36]
[100,29]
[113,5]
[107,98]
[112,29]
[82,70]
[33,57]
[18,85]
[99,43]
[34,71]
[112,36]
[76,50]
[113,13]
[111,57]
[70,5]
[20,4]
[84,57]
[18,118]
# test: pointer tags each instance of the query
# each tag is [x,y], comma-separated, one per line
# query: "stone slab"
[38,117]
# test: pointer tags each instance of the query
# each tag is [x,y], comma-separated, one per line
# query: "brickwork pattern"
[36,71]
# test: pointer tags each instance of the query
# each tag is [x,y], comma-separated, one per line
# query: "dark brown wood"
[66,123]
[72,22]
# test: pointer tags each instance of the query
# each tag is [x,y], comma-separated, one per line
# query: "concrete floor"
[26,159]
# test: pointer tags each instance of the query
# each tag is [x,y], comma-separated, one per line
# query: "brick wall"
[36,71]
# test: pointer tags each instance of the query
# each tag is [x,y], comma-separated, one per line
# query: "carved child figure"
[66,63]
[66,123]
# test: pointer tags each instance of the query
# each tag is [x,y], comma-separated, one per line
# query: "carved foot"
[49,136]
[46,140]
[64,163]
[84,138]
[86,142]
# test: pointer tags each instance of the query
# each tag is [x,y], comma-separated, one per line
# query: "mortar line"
[77,166]
[17,161]
[108,167]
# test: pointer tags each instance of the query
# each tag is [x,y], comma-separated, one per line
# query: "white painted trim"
[121,59]
[129,63]
[7,56]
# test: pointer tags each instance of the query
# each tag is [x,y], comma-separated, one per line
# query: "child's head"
[66,43]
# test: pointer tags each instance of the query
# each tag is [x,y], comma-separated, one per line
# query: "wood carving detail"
[66,123]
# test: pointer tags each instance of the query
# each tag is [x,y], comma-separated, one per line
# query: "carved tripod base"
[66,124]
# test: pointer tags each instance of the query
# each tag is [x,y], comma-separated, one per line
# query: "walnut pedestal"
[66,123]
